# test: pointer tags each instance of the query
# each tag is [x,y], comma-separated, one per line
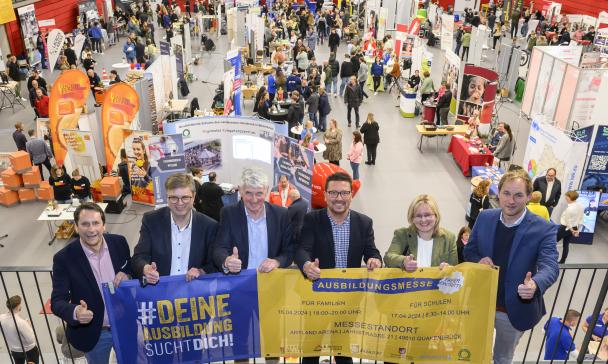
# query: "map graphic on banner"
[294,161]
[384,315]
[166,158]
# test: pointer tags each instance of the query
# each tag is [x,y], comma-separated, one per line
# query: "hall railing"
[582,287]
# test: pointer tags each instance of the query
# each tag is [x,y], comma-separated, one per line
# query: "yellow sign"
[428,316]
[7,13]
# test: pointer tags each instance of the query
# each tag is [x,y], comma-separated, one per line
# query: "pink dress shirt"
[103,270]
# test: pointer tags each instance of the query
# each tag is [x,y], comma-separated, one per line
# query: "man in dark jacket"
[346,71]
[335,71]
[14,74]
[296,212]
[443,105]
[211,196]
[294,82]
[19,137]
[324,109]
[295,112]
[69,53]
[333,41]
[353,97]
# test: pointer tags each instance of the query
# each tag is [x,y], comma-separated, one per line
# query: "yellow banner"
[67,98]
[7,13]
[389,315]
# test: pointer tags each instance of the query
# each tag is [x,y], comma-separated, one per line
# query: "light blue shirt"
[257,232]
[180,247]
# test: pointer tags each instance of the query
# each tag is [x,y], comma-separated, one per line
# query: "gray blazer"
[504,149]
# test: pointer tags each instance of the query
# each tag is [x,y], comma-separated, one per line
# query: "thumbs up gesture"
[526,290]
[409,264]
[83,315]
[312,270]
[151,273]
[232,262]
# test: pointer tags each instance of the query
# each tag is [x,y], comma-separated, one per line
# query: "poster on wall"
[596,173]
[119,109]
[83,156]
[68,95]
[226,145]
[294,161]
[447,32]
[232,84]
[587,96]
[451,73]
[29,29]
[166,154]
[140,174]
[477,93]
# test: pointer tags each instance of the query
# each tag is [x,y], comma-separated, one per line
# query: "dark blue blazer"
[317,240]
[233,232]
[533,250]
[73,280]
[154,243]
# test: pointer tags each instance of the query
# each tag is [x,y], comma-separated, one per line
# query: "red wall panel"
[63,11]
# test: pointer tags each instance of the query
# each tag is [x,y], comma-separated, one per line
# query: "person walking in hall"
[371,138]
[424,243]
[346,71]
[523,245]
[324,109]
[355,154]
[496,34]
[479,201]
[253,234]
[333,142]
[515,15]
[79,270]
[570,222]
[19,137]
[377,71]
[20,339]
[333,41]
[40,153]
[335,71]
[551,189]
[362,75]
[353,96]
[176,239]
[336,237]
[466,44]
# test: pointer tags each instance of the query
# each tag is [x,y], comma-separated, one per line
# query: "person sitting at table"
[81,186]
[114,78]
[414,80]
[42,104]
[505,146]
[264,105]
[308,128]
[423,243]
[535,207]
[62,185]
[479,200]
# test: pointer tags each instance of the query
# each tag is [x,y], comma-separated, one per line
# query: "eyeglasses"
[183,199]
[335,194]
[426,216]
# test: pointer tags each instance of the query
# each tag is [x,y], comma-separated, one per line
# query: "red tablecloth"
[465,159]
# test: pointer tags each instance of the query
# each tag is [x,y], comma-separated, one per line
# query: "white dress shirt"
[549,190]
[424,255]
[257,232]
[25,331]
[180,247]
[573,215]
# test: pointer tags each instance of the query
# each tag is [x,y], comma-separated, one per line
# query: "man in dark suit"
[79,269]
[296,212]
[550,187]
[336,237]
[523,245]
[176,239]
[211,194]
[253,234]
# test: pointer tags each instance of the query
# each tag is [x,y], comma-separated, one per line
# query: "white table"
[8,96]
[297,130]
[320,148]
[121,65]
[65,213]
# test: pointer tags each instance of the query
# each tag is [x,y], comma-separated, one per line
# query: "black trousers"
[371,152]
[465,50]
[362,85]
[315,360]
[349,108]
[565,236]
[96,44]
[495,41]
[376,82]
[47,164]
[32,356]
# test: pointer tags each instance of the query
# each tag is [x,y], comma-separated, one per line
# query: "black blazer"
[317,240]
[73,280]
[540,184]
[296,212]
[154,243]
[211,194]
[233,232]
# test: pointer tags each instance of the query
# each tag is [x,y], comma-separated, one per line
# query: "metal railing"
[34,285]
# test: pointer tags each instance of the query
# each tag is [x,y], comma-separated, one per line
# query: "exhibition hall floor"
[400,174]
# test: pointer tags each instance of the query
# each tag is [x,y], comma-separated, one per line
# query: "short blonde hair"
[180,180]
[536,197]
[516,174]
[418,201]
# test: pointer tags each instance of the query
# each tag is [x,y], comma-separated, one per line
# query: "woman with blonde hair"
[535,207]
[479,200]
[333,142]
[423,243]
[371,138]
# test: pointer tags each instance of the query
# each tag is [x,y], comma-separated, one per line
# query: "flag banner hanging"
[430,316]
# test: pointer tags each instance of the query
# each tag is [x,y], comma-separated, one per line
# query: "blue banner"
[596,173]
[294,161]
[210,319]
[232,84]
[166,158]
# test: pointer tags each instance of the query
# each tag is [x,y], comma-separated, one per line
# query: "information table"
[440,131]
[467,155]
[487,172]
